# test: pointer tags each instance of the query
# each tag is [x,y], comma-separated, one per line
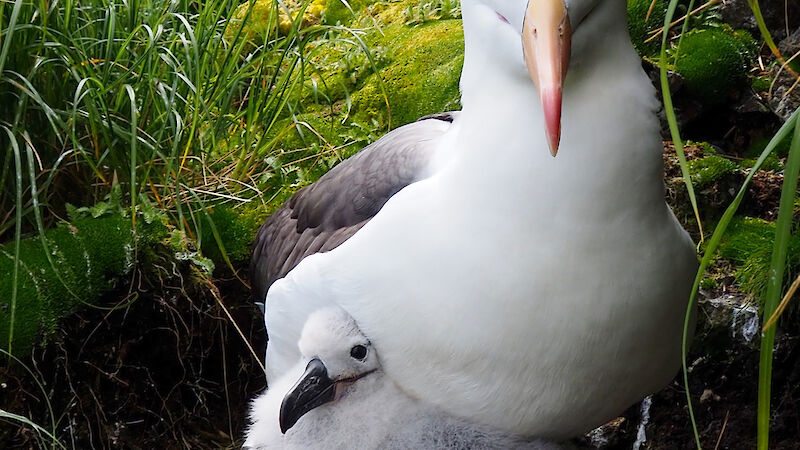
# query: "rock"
[738,14]
[707,395]
[784,96]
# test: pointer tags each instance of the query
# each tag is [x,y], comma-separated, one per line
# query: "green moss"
[314,127]
[748,45]
[259,24]
[708,283]
[336,12]
[745,236]
[236,228]
[422,79]
[705,147]
[748,245]
[28,305]
[757,146]
[85,257]
[771,163]
[640,25]
[710,169]
[761,84]
[340,67]
[714,62]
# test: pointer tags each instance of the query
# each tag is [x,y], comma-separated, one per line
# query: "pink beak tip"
[551,103]
[553,147]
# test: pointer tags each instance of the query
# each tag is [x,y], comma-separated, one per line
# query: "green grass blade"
[45,394]
[678,142]
[132,155]
[672,119]
[7,37]
[762,27]
[713,243]
[37,213]
[17,234]
[783,228]
[30,423]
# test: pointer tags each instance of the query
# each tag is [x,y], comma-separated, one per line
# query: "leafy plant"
[428,10]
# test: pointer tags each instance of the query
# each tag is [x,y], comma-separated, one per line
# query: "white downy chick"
[338,397]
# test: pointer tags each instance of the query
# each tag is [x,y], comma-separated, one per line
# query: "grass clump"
[748,245]
[145,104]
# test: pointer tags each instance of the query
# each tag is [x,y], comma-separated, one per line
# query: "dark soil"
[167,370]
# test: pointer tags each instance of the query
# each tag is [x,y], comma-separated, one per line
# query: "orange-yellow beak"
[546,36]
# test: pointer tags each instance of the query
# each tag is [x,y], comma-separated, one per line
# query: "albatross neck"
[610,134]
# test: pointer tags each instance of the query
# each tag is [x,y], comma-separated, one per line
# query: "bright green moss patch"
[745,236]
[336,12]
[258,23]
[640,25]
[748,245]
[422,78]
[761,84]
[235,227]
[710,168]
[714,62]
[708,283]
[85,256]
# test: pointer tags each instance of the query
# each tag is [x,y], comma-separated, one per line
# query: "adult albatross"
[536,295]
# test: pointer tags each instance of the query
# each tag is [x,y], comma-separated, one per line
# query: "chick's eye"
[358,352]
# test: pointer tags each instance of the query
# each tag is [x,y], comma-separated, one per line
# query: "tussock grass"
[158,95]
[156,110]
[162,98]
[783,225]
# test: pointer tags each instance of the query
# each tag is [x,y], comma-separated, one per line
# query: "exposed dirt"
[165,371]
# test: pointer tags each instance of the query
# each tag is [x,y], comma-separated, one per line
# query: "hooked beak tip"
[551,106]
[313,389]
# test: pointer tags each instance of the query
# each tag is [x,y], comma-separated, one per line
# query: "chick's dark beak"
[313,389]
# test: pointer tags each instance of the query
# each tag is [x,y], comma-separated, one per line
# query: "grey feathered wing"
[319,217]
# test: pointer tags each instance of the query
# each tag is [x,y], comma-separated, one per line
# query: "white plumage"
[372,413]
[536,295]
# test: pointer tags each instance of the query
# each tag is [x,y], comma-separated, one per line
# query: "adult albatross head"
[545,30]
